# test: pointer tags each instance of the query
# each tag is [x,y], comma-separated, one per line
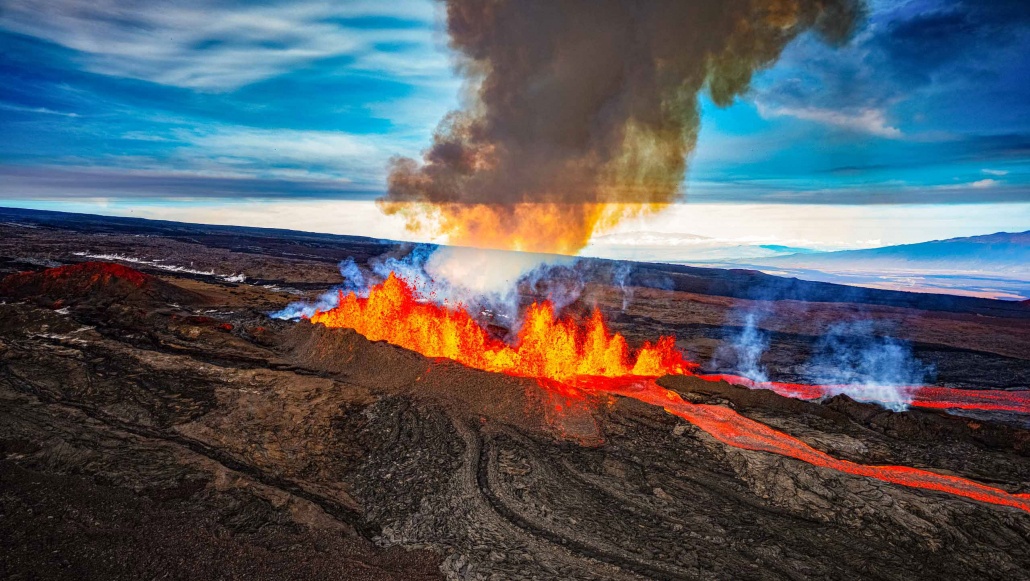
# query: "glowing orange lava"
[985,400]
[547,347]
[573,359]
[731,428]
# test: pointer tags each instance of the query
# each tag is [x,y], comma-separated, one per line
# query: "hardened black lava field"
[155,422]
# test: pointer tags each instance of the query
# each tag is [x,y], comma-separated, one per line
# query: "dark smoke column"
[582,112]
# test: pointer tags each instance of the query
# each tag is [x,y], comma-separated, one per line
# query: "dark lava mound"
[93,282]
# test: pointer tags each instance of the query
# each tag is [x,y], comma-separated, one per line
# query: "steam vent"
[494,290]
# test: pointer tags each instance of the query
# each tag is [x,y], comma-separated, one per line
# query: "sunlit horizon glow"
[805,226]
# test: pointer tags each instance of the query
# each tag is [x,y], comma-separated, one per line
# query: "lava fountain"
[547,347]
[589,358]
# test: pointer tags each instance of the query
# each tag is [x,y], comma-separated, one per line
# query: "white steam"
[866,367]
[743,352]
[354,280]
[621,277]
[484,282]
[850,358]
[487,278]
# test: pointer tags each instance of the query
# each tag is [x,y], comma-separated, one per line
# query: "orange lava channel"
[731,428]
[561,354]
[989,400]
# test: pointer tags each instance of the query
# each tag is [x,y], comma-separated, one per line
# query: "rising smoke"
[579,113]
[743,350]
[855,358]
[621,278]
[354,281]
[866,365]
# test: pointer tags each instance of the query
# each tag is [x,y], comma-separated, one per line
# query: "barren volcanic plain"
[156,422]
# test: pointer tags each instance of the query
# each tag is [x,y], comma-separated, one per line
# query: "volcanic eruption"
[578,115]
[490,405]
[576,444]
[546,347]
[588,359]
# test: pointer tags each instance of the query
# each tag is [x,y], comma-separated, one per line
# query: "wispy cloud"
[988,183]
[219,161]
[867,120]
[870,193]
[216,181]
[217,46]
[933,68]
[975,185]
[329,153]
[39,110]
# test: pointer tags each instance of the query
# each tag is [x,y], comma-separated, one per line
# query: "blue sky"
[232,111]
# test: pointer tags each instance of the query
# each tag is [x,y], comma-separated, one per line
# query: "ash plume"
[581,113]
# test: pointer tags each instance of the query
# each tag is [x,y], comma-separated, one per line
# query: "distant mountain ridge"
[671,247]
[1001,253]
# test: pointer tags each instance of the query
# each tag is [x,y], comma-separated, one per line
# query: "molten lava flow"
[574,360]
[547,347]
[986,400]
[73,279]
[731,428]
[991,400]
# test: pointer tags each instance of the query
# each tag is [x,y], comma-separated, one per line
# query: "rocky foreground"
[154,425]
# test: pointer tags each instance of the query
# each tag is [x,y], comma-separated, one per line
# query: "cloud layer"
[929,103]
[219,46]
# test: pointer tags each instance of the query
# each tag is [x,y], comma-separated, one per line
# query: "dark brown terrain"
[157,423]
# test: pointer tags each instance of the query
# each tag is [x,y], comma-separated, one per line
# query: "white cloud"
[237,152]
[977,185]
[987,183]
[995,172]
[330,148]
[868,120]
[211,46]
[289,154]
[40,110]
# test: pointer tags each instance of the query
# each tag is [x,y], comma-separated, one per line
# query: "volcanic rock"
[97,282]
[174,430]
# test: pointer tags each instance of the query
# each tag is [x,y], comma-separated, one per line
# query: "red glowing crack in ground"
[991,400]
[578,359]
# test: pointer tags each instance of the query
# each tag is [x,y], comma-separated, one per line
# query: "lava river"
[590,358]
[924,396]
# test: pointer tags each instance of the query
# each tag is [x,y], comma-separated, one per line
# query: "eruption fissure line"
[547,347]
[590,359]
